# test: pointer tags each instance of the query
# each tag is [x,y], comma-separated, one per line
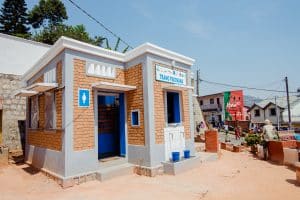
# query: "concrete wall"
[17,55]
[46,149]
[259,119]
[13,111]
[273,118]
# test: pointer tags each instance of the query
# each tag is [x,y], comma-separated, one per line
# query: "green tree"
[13,18]
[48,13]
[51,34]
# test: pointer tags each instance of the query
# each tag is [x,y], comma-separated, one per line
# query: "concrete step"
[207,157]
[108,173]
[111,162]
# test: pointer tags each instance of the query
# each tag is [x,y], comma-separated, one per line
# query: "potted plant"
[252,140]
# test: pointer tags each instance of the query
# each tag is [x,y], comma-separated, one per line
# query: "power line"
[245,87]
[100,23]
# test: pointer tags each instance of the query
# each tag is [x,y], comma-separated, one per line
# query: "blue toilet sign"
[83,97]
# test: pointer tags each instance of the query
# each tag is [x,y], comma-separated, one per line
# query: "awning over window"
[25,93]
[113,86]
[177,87]
[42,87]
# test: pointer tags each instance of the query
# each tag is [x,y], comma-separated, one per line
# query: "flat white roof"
[17,55]
[68,43]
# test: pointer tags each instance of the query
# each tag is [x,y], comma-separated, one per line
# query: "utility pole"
[198,78]
[288,101]
[277,115]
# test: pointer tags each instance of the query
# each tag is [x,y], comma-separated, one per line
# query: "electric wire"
[99,23]
[245,87]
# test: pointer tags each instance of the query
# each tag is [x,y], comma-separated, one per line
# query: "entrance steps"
[109,172]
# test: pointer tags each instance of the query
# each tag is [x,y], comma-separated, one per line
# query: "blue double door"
[111,125]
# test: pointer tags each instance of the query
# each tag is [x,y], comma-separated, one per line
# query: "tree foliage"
[47,20]
[48,13]
[51,34]
[13,18]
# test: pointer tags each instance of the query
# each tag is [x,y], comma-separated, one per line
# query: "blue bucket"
[297,136]
[175,156]
[186,153]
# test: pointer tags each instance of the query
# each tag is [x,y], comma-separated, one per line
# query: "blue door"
[111,125]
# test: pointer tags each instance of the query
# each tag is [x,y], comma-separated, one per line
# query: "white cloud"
[198,28]
[142,9]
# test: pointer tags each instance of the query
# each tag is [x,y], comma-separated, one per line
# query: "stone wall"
[13,111]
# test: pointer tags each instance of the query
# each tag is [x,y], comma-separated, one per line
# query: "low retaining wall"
[275,149]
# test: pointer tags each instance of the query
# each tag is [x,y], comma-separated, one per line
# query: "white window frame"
[139,118]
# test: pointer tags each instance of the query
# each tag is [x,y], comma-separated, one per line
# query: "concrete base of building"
[149,171]
[173,168]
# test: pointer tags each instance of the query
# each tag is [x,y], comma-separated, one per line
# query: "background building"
[266,109]
[16,56]
[223,106]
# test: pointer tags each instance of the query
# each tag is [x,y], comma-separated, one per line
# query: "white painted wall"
[268,115]
[17,55]
[259,119]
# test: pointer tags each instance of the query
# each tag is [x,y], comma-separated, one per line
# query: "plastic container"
[175,156]
[186,154]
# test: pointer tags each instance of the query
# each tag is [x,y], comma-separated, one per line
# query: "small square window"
[211,101]
[272,112]
[257,113]
[201,102]
[135,118]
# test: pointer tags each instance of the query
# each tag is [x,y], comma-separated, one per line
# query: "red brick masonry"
[211,141]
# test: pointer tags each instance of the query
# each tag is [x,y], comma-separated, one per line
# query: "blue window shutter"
[176,107]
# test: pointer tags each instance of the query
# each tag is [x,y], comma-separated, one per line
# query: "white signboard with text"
[169,75]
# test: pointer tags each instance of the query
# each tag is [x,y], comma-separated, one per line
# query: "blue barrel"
[186,153]
[175,156]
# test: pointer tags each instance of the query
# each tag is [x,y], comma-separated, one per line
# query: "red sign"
[235,105]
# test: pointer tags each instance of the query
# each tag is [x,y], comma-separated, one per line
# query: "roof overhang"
[42,87]
[113,86]
[68,43]
[177,87]
[25,93]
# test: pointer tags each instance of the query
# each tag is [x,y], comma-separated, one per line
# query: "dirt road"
[233,176]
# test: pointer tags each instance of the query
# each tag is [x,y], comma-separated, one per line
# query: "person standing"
[268,134]
[237,132]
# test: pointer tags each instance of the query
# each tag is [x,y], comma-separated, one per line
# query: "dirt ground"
[233,176]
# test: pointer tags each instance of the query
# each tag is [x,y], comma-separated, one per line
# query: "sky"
[255,43]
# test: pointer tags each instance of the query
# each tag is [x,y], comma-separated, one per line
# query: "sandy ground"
[233,176]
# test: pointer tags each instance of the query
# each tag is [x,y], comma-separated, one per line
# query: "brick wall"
[45,139]
[159,108]
[135,101]
[50,139]
[84,117]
